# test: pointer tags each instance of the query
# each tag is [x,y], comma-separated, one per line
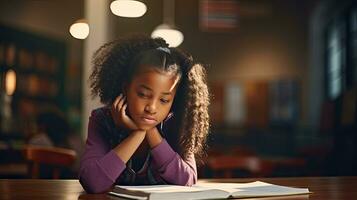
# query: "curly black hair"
[116,62]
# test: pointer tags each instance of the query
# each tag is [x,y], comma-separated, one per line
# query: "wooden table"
[323,188]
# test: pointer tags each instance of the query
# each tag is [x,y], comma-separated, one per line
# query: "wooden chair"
[242,151]
[225,163]
[57,158]
[254,166]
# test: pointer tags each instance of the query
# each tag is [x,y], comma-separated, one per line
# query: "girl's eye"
[164,101]
[140,94]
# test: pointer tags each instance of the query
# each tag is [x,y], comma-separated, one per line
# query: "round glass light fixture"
[169,33]
[80,29]
[128,8]
[10,82]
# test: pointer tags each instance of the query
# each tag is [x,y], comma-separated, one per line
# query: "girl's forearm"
[128,146]
[153,137]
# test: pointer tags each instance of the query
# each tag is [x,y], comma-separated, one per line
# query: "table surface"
[322,188]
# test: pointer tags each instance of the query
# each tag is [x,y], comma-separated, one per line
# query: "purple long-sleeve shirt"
[101,167]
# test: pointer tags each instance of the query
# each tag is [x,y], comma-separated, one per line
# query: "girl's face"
[150,96]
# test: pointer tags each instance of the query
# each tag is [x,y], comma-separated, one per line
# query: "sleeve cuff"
[162,153]
[112,165]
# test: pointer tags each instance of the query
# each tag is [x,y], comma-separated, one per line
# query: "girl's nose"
[150,108]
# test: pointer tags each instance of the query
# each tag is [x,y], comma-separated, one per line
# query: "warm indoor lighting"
[10,82]
[80,29]
[128,8]
[167,29]
[171,35]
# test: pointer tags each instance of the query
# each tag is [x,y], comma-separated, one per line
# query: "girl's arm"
[101,166]
[171,167]
[127,147]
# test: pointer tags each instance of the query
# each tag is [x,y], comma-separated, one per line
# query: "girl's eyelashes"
[164,101]
[143,95]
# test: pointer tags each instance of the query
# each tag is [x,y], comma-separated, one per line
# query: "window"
[341,53]
[353,43]
[336,53]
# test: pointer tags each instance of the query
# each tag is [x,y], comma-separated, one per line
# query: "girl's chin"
[146,126]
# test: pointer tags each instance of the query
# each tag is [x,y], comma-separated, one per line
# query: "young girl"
[155,121]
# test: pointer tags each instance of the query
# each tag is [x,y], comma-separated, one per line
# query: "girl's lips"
[147,120]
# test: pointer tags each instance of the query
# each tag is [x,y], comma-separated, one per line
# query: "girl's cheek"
[131,108]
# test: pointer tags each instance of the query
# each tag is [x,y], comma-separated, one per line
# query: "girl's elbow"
[192,181]
[92,183]
[93,187]
[96,190]
[189,180]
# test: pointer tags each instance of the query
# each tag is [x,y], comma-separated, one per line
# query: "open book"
[205,191]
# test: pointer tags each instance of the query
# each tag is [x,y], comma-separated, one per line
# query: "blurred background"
[282,73]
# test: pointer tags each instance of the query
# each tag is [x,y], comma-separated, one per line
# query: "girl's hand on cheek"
[119,115]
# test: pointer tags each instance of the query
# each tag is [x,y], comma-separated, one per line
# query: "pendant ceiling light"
[128,8]
[80,29]
[167,30]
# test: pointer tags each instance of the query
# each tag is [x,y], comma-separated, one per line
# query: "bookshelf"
[39,64]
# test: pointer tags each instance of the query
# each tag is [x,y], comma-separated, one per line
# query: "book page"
[229,187]
[164,188]
[171,192]
[269,190]
[254,189]
[216,185]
